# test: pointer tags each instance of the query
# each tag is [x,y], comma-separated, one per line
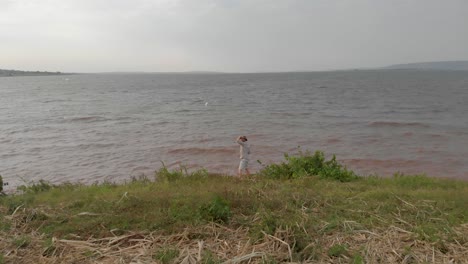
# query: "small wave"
[182,111]
[96,145]
[388,163]
[86,119]
[205,140]
[333,140]
[9,155]
[408,134]
[55,101]
[199,151]
[397,124]
[157,123]
[123,118]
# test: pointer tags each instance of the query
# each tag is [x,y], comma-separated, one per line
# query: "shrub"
[306,164]
[217,210]
[165,175]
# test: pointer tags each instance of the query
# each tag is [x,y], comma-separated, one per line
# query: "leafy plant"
[217,210]
[305,164]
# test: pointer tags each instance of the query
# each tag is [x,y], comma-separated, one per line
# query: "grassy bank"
[307,209]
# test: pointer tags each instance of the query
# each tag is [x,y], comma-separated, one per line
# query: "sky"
[228,35]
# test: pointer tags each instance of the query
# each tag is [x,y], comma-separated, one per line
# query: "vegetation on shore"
[306,209]
[11,73]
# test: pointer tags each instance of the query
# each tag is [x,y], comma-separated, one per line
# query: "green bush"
[218,210]
[306,164]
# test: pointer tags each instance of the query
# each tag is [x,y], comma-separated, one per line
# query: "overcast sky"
[228,35]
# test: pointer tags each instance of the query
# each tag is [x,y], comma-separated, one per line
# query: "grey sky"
[228,35]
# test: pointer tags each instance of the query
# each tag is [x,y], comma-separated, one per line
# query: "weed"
[140,179]
[209,258]
[269,260]
[181,211]
[269,224]
[89,254]
[337,250]
[21,242]
[33,187]
[217,210]
[166,175]
[49,247]
[166,255]
[357,259]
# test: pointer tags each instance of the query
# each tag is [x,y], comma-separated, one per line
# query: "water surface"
[87,128]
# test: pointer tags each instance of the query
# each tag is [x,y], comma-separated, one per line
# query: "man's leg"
[242,167]
[239,171]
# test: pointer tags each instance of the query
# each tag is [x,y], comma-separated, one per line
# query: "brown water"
[87,128]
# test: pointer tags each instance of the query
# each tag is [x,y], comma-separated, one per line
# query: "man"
[244,155]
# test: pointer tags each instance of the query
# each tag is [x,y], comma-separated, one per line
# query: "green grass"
[187,201]
[337,250]
[306,203]
[166,255]
[21,242]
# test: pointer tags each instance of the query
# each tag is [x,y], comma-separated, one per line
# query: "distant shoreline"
[461,65]
[15,73]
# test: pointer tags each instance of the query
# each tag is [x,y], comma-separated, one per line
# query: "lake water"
[87,128]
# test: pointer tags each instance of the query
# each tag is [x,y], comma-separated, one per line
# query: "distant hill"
[436,65]
[6,73]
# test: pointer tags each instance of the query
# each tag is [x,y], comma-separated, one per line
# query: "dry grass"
[228,245]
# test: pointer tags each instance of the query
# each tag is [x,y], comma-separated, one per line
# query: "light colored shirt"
[244,149]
